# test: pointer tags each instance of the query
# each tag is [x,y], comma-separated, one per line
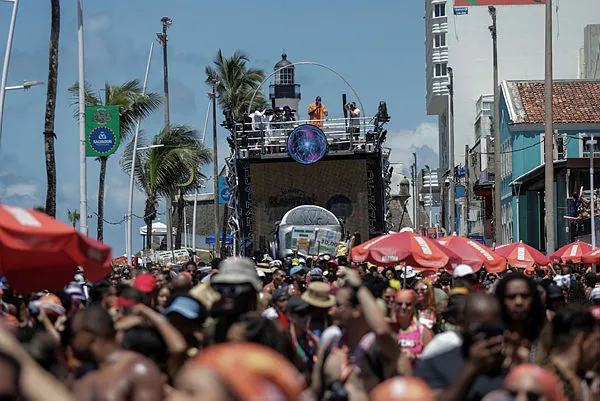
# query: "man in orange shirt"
[317,112]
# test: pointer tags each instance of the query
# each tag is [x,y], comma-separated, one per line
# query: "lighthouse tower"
[284,92]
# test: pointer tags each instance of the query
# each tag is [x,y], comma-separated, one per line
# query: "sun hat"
[50,303]
[296,269]
[145,283]
[187,307]
[237,270]
[317,294]
[463,271]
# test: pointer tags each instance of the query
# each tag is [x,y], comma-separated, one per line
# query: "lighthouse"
[284,91]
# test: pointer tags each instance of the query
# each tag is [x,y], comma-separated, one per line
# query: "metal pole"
[185,235]
[129,218]
[215,170]
[451,156]
[194,220]
[416,189]
[430,198]
[11,31]
[467,191]
[83,224]
[592,142]
[497,161]
[518,238]
[549,137]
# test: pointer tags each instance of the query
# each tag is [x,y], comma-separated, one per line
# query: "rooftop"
[574,101]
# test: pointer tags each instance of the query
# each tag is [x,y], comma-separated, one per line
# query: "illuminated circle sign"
[307,144]
[103,140]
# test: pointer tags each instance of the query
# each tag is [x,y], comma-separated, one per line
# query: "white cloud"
[98,23]
[21,190]
[423,140]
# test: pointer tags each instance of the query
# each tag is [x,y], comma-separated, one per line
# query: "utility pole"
[83,224]
[591,143]
[416,193]
[497,164]
[467,191]
[549,136]
[452,194]
[162,39]
[11,31]
[215,169]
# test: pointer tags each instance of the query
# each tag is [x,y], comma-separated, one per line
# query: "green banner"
[102,130]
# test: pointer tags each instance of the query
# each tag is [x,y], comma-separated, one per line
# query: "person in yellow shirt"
[317,112]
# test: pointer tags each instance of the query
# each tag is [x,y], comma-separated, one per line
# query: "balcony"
[269,139]
[484,106]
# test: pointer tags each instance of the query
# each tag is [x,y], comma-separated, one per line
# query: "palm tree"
[73,216]
[49,134]
[132,107]
[158,169]
[235,83]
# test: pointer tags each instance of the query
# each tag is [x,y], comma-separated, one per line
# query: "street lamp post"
[129,234]
[83,225]
[591,144]
[430,195]
[11,31]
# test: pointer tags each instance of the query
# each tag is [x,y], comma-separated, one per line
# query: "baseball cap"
[237,270]
[186,307]
[462,271]
[145,283]
[316,272]
[296,269]
[554,292]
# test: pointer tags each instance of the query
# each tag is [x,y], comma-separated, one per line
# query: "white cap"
[595,293]
[407,229]
[410,273]
[462,271]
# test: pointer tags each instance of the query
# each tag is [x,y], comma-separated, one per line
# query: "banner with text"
[102,130]
[467,3]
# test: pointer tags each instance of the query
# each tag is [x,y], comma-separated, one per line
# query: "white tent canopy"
[158,229]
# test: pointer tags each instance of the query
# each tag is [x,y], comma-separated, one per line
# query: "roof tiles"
[573,101]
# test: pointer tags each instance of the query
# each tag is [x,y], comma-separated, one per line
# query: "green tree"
[235,83]
[158,169]
[39,208]
[49,134]
[133,105]
[73,217]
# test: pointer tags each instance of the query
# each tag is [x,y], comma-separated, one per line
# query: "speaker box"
[243,153]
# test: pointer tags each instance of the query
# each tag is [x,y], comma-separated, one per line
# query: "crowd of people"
[313,328]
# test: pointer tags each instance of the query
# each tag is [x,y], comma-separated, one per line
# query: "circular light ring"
[307,144]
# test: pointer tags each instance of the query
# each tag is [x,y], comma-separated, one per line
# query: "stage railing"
[271,137]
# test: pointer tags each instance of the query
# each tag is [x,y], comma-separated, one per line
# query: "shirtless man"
[121,375]
[278,279]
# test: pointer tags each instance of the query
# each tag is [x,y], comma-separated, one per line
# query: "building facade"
[576,119]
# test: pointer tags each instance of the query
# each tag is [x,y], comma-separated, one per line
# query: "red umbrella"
[474,254]
[38,252]
[406,247]
[572,252]
[521,255]
[592,257]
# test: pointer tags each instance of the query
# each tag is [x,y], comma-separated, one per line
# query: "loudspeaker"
[370,148]
[243,153]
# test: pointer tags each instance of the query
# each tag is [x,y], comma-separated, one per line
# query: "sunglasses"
[530,395]
[407,304]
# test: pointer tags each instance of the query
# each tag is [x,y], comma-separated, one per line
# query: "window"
[439,40]
[440,70]
[439,10]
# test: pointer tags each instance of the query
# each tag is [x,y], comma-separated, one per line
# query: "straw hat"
[317,295]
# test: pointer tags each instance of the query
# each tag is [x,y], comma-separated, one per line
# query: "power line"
[512,151]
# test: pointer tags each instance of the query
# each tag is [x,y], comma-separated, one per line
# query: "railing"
[271,137]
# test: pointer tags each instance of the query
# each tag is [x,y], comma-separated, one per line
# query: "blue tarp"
[210,239]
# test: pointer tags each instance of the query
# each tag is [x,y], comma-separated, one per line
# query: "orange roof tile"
[573,101]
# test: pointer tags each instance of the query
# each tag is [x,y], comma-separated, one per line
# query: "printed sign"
[467,3]
[327,241]
[103,135]
[223,189]
[461,11]
[302,239]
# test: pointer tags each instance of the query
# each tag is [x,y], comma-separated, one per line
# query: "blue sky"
[377,46]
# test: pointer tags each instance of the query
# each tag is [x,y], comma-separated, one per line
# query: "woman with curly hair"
[425,303]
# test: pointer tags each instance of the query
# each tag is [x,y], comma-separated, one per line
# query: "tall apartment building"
[463,42]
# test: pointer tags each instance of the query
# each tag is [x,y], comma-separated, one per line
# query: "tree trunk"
[149,216]
[180,228]
[103,160]
[49,134]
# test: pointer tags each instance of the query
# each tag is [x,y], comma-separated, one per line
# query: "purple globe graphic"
[307,144]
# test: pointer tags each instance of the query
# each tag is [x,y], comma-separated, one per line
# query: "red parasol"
[474,254]
[521,255]
[572,252]
[405,247]
[592,257]
[38,252]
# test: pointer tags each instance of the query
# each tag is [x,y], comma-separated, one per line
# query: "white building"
[464,43]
